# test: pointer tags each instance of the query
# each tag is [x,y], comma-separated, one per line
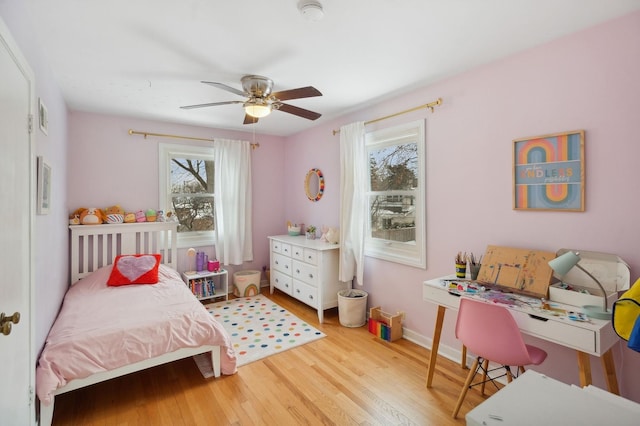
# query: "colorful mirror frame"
[314,184]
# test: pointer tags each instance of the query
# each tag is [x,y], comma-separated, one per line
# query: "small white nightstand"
[203,284]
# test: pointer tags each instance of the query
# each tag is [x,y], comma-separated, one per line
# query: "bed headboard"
[95,246]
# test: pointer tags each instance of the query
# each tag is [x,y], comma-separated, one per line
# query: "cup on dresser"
[461,270]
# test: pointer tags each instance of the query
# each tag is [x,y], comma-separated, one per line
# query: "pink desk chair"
[490,332]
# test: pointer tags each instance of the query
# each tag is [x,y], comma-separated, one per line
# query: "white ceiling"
[146,58]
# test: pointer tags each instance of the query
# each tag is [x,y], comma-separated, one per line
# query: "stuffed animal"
[130,218]
[114,214]
[150,215]
[92,216]
[140,216]
[74,217]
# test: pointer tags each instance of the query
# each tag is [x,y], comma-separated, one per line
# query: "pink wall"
[109,167]
[585,81]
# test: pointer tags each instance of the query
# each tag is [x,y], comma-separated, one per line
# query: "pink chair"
[490,332]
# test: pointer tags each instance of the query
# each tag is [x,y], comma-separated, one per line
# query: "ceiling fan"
[261,100]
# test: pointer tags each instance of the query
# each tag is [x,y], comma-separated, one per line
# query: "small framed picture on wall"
[43,117]
[44,186]
[548,172]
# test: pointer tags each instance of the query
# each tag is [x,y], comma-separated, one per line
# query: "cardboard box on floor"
[524,271]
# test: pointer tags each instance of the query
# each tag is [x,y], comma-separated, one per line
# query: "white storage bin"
[246,283]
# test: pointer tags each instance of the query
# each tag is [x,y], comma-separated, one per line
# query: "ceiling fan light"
[257,110]
[311,10]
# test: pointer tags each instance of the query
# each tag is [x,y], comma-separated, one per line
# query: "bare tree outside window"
[393,172]
[192,194]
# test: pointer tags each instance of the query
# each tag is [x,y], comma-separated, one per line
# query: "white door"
[17,368]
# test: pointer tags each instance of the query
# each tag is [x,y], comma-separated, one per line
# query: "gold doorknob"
[15,318]
[5,322]
[6,328]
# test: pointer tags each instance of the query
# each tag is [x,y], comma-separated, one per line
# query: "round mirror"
[314,184]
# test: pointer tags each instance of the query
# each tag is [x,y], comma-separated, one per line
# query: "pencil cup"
[474,269]
[461,270]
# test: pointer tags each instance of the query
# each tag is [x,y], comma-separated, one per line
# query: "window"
[396,228]
[187,189]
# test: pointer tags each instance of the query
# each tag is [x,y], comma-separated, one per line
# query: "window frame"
[166,152]
[408,254]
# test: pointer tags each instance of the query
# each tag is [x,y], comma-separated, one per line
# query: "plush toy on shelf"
[150,215]
[114,214]
[140,216]
[92,216]
[130,217]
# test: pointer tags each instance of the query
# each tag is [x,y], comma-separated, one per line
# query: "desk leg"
[609,368]
[431,368]
[584,366]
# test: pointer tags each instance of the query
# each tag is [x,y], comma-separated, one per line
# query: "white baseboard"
[453,354]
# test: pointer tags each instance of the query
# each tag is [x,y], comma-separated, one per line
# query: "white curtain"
[232,182]
[353,175]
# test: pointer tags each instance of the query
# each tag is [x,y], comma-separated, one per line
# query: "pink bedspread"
[101,328]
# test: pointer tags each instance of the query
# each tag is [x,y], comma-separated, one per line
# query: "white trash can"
[246,283]
[352,308]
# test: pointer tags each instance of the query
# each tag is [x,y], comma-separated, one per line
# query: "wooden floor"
[349,377]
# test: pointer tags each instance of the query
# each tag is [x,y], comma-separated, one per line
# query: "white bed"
[165,323]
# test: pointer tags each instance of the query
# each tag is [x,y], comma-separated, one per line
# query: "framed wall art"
[548,172]
[43,117]
[44,186]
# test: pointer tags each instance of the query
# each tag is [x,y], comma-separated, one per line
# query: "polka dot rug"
[260,328]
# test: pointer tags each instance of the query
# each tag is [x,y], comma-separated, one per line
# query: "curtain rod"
[254,145]
[430,105]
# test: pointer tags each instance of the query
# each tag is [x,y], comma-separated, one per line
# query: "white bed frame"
[94,246]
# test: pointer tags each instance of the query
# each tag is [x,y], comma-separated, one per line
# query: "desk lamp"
[562,264]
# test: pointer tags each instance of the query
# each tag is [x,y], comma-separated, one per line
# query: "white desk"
[535,399]
[595,337]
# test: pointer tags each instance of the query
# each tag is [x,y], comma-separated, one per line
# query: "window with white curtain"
[187,190]
[396,229]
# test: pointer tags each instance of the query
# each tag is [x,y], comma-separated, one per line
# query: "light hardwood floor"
[349,377]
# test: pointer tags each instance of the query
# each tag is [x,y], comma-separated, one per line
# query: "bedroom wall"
[50,233]
[584,81]
[109,166]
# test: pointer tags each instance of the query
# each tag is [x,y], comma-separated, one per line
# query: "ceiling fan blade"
[300,92]
[300,112]
[211,104]
[249,119]
[225,87]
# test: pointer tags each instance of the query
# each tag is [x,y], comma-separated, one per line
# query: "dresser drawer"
[305,293]
[276,246]
[297,252]
[311,256]
[286,249]
[282,282]
[305,273]
[282,263]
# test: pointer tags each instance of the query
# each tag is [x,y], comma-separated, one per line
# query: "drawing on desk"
[524,270]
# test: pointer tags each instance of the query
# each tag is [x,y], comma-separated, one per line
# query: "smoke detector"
[311,10]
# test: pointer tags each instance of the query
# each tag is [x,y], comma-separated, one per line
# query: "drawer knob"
[311,297]
[276,262]
[297,271]
[277,280]
[310,275]
[298,290]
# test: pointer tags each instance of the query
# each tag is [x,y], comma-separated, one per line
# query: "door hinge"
[30,123]
[31,395]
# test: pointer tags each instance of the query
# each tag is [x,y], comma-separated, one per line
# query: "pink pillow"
[135,269]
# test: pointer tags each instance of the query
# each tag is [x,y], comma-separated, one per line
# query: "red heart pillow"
[135,269]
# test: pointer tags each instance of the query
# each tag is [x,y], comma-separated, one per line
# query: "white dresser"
[306,270]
